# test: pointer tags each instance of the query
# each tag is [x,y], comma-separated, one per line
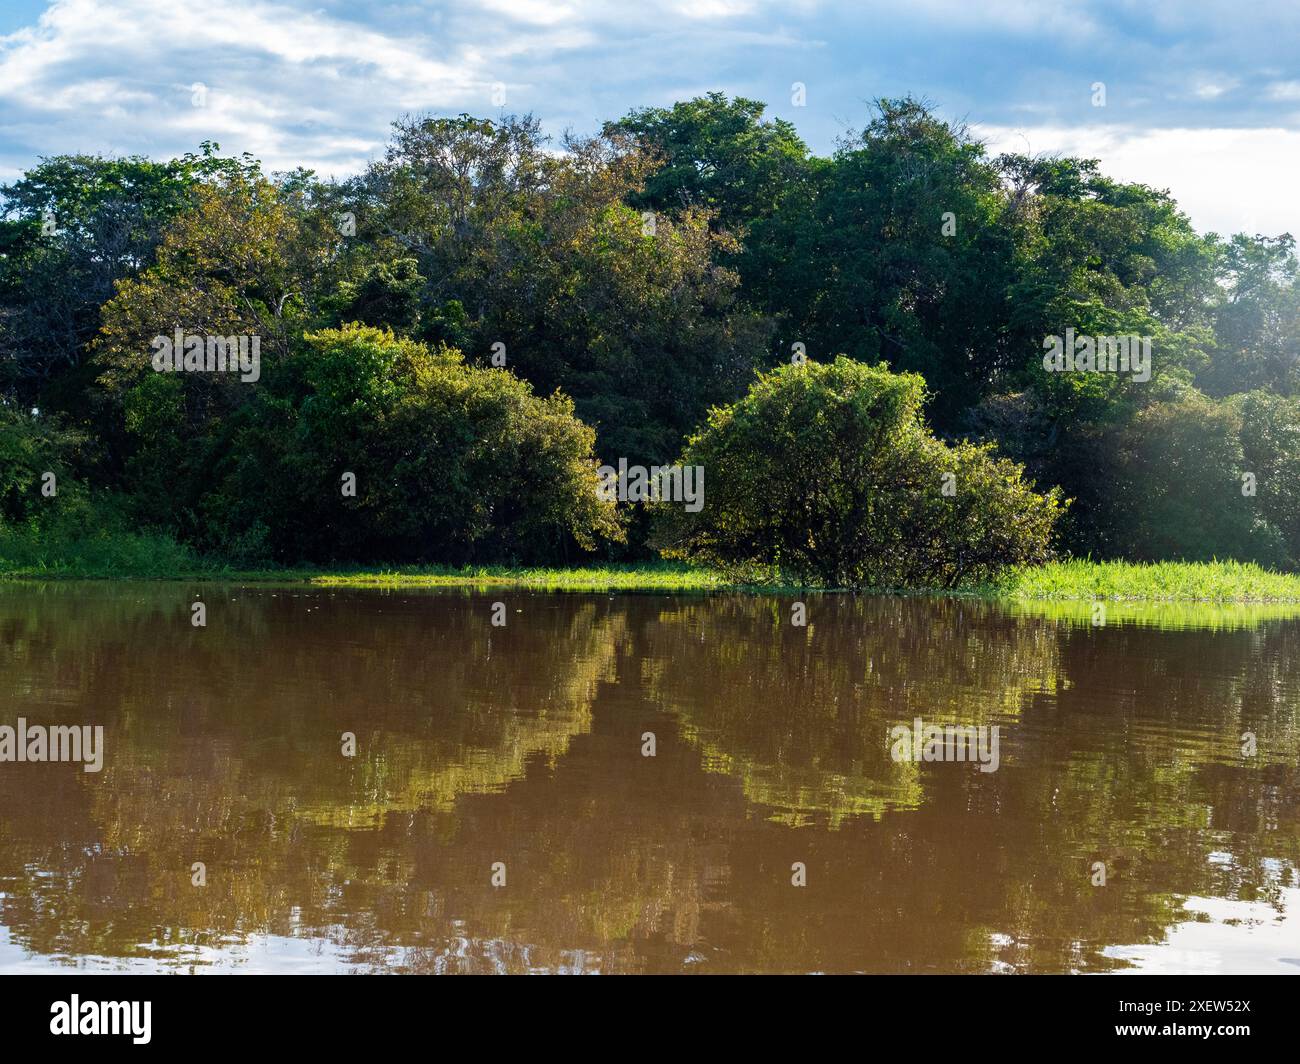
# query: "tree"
[387,294]
[899,249]
[251,258]
[543,254]
[32,451]
[449,462]
[69,229]
[1257,321]
[718,154]
[1181,489]
[1270,446]
[828,473]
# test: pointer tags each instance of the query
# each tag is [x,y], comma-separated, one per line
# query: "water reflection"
[522,745]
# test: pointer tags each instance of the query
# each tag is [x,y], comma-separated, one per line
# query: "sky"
[1201,97]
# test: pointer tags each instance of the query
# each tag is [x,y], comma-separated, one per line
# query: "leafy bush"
[1178,468]
[828,473]
[1270,444]
[98,545]
[453,463]
[31,447]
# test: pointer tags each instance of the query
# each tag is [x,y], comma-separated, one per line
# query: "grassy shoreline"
[1081,579]
[143,557]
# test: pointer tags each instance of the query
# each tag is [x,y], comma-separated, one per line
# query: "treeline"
[468,327]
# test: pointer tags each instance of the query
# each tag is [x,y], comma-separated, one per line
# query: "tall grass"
[1082,578]
[26,552]
[650,576]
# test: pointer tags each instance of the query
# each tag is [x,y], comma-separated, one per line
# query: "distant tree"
[1178,470]
[250,258]
[1270,445]
[69,229]
[39,466]
[1104,259]
[1257,321]
[647,274]
[899,249]
[387,294]
[542,253]
[718,154]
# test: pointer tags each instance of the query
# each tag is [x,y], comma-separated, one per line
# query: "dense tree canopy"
[649,274]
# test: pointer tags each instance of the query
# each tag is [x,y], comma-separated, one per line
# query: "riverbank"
[1073,580]
[146,557]
[1077,579]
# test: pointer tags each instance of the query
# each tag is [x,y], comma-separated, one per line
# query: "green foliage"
[1257,329]
[648,576]
[827,472]
[101,548]
[1270,443]
[1084,579]
[547,255]
[70,531]
[249,258]
[718,154]
[909,246]
[71,228]
[386,294]
[452,462]
[1178,481]
[31,449]
[900,249]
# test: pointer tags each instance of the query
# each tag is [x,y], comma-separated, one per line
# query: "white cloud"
[1284,90]
[298,86]
[535,12]
[1211,90]
[1225,180]
[713,9]
[1016,16]
[285,84]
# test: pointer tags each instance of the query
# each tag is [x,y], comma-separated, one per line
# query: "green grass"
[25,555]
[1168,613]
[28,554]
[642,577]
[120,555]
[1078,580]
[1154,582]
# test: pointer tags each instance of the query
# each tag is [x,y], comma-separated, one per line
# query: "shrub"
[453,463]
[1179,488]
[1270,444]
[30,447]
[828,473]
[72,531]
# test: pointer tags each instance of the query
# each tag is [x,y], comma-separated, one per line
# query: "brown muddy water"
[517,753]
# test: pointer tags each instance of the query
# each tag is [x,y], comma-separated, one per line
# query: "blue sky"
[1201,96]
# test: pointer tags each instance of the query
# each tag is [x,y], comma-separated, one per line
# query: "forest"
[908,363]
